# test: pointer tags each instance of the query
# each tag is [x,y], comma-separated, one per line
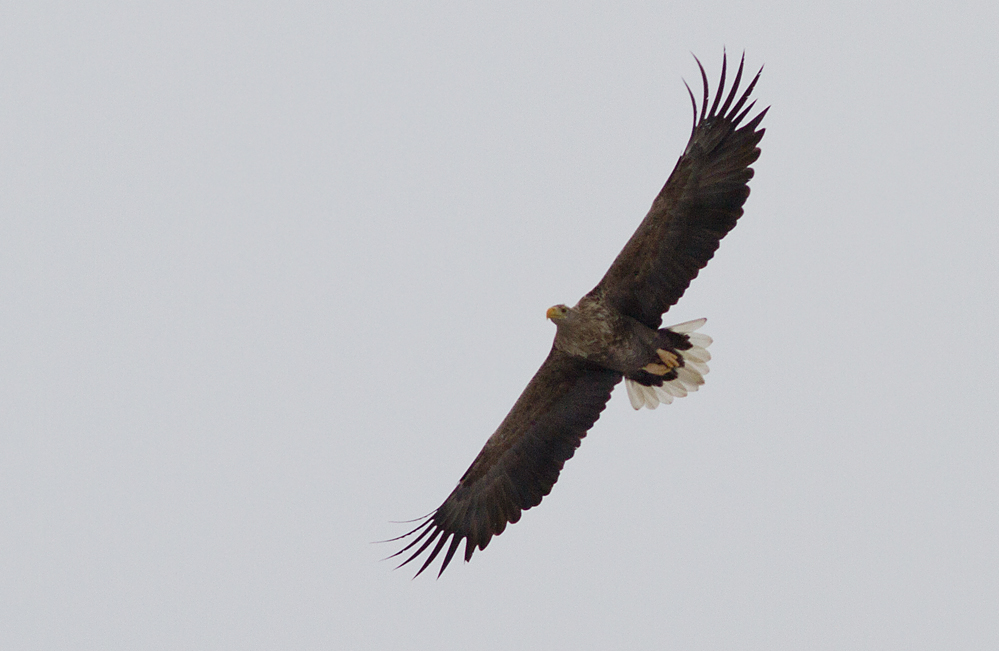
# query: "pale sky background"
[270,275]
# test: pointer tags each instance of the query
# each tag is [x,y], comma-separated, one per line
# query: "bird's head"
[557,313]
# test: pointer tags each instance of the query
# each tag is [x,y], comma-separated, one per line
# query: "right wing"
[521,461]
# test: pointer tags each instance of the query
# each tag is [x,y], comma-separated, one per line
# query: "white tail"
[688,378]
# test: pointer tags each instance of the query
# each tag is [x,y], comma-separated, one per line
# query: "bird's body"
[595,332]
[600,334]
[611,333]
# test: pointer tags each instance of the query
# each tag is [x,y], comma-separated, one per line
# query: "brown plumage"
[613,332]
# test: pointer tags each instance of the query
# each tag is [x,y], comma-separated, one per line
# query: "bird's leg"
[670,362]
[669,359]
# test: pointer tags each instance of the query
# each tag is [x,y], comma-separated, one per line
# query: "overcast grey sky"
[271,274]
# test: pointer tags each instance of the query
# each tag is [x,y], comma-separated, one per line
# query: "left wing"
[697,207]
[521,461]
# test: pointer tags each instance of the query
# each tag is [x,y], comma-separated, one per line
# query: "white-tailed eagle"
[612,333]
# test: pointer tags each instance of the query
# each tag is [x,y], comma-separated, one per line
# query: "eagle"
[613,332]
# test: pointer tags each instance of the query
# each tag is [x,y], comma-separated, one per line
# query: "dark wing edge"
[699,204]
[520,462]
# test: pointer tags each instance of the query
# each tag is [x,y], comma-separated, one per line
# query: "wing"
[520,462]
[697,207]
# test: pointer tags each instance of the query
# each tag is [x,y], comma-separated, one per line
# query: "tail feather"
[689,377]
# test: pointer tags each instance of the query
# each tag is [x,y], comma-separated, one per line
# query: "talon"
[669,359]
[655,369]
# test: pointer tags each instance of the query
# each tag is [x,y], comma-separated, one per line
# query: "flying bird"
[611,333]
